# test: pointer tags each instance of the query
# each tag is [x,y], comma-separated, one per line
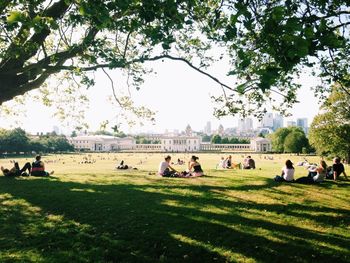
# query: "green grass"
[92,213]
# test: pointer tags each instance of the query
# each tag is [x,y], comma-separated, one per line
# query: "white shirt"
[288,174]
[162,166]
[320,176]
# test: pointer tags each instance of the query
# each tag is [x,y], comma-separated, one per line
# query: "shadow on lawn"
[76,222]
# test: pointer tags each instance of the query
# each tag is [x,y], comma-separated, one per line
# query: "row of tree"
[217,139]
[17,140]
[144,140]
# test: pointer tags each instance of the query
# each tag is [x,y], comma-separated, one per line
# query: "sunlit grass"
[93,213]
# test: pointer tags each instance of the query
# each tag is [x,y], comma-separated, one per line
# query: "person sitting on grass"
[165,169]
[38,168]
[16,171]
[122,166]
[222,163]
[337,170]
[249,163]
[287,173]
[320,171]
[228,162]
[194,167]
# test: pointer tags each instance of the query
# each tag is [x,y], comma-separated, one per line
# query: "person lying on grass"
[38,168]
[165,169]
[320,171]
[287,174]
[16,171]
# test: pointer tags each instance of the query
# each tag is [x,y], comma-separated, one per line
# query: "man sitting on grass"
[38,168]
[337,170]
[165,169]
[249,163]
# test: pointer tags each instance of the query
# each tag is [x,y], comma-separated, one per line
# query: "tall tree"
[268,42]
[289,139]
[330,130]
[278,138]
[216,139]
[295,141]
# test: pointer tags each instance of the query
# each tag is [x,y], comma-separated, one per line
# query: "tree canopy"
[330,130]
[290,139]
[268,43]
[17,140]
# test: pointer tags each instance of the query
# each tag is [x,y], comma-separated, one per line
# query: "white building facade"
[260,145]
[101,143]
[181,144]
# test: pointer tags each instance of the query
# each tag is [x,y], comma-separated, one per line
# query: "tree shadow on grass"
[53,221]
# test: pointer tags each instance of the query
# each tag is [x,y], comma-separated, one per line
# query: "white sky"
[178,94]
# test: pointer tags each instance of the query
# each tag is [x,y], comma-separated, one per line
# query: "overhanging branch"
[123,64]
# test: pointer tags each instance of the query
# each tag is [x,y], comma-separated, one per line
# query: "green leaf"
[15,16]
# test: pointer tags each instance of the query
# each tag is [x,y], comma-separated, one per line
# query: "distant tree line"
[17,140]
[217,139]
[119,134]
[143,140]
[290,140]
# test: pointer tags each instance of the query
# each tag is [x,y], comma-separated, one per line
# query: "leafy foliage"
[217,139]
[290,139]
[16,140]
[269,44]
[330,130]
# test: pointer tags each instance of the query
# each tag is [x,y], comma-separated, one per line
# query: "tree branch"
[123,64]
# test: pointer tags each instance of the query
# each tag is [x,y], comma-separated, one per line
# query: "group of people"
[37,168]
[316,173]
[227,163]
[194,168]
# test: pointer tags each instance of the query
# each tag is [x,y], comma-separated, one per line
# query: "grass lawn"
[92,213]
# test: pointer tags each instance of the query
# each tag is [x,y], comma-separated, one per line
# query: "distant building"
[188,130]
[260,145]
[277,122]
[256,145]
[102,143]
[180,144]
[291,124]
[303,123]
[267,121]
[221,130]
[265,130]
[56,129]
[207,128]
[245,125]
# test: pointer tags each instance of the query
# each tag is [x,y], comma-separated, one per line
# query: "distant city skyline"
[178,99]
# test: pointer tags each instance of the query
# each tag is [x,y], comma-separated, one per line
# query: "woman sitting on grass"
[287,173]
[320,171]
[194,167]
[38,168]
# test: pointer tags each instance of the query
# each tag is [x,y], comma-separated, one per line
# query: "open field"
[93,213]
